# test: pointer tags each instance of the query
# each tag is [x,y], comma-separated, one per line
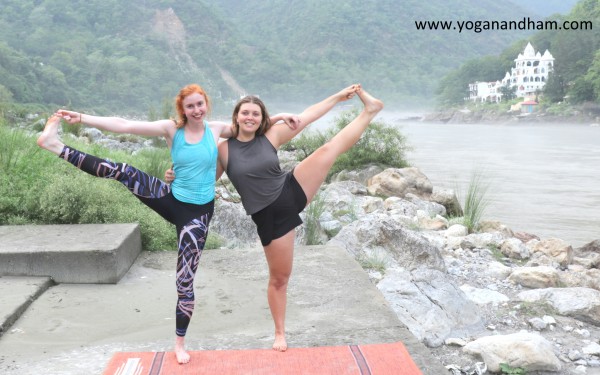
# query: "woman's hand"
[169,175]
[291,120]
[69,116]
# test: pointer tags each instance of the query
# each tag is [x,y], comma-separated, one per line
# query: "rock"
[519,350]
[514,248]
[431,223]
[400,206]
[482,240]
[525,237]
[538,324]
[592,349]
[448,199]
[488,226]
[582,303]
[588,255]
[361,176]
[400,181]
[535,277]
[410,249]
[483,296]
[431,308]
[556,249]
[457,230]
[498,270]
[92,134]
[232,224]
[372,204]
[431,208]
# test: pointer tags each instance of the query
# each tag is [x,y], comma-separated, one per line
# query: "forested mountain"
[576,74]
[329,43]
[131,56]
[109,54]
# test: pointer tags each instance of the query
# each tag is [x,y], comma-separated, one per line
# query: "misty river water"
[543,179]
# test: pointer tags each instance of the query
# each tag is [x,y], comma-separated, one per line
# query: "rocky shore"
[468,116]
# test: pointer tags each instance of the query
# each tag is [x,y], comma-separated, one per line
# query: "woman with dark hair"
[188,203]
[275,198]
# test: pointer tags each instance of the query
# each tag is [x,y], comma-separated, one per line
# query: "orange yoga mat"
[374,359]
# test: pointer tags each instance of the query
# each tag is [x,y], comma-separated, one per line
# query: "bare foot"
[372,105]
[183,357]
[280,344]
[49,138]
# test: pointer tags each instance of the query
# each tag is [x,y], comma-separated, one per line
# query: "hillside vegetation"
[130,57]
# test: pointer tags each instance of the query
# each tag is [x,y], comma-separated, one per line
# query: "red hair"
[184,93]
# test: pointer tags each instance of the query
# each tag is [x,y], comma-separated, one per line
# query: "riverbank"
[497,116]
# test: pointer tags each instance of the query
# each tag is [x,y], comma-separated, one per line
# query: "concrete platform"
[17,293]
[87,253]
[75,328]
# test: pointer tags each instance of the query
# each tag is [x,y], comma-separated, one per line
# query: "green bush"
[380,144]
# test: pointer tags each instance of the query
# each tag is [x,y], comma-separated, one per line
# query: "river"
[542,179]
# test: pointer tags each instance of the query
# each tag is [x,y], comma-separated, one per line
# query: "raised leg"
[313,170]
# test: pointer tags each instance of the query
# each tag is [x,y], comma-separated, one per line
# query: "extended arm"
[279,135]
[120,125]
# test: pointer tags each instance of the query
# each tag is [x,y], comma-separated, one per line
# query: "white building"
[529,76]
[485,91]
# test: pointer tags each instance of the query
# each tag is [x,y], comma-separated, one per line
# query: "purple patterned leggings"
[191,221]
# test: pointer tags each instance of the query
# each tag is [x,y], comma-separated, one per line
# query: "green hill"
[131,57]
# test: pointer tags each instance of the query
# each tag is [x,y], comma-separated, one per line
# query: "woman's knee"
[279,281]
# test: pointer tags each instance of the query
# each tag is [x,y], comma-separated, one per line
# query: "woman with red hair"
[188,203]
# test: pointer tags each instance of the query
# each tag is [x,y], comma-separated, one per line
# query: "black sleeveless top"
[253,168]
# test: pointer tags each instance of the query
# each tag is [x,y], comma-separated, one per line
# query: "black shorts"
[281,216]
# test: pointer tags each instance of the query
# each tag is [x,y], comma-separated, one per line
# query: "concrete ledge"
[85,253]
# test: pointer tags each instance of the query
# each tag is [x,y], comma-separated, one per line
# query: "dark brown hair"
[265,123]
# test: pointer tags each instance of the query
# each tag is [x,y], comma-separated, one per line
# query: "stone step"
[83,253]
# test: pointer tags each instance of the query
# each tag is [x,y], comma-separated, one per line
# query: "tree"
[581,91]
[555,89]
[508,92]
[593,76]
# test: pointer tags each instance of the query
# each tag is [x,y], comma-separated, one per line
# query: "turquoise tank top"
[195,167]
